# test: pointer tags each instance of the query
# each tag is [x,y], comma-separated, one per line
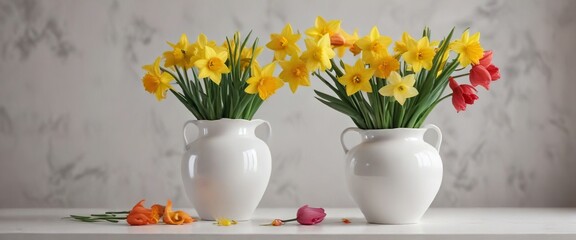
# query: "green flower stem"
[108,217]
[461,75]
[120,212]
[289,220]
[283,221]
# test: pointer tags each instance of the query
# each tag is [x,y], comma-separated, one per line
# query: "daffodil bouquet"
[382,90]
[215,81]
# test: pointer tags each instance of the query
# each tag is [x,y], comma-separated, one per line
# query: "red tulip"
[479,75]
[486,60]
[484,72]
[462,95]
[494,72]
[310,216]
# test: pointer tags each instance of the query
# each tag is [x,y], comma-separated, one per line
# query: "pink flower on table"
[305,216]
[310,216]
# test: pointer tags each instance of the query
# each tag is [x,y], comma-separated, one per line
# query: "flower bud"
[337,40]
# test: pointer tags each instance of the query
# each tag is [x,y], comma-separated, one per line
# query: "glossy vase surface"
[226,169]
[393,174]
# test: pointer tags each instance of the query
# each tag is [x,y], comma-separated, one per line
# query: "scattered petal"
[225,222]
[277,222]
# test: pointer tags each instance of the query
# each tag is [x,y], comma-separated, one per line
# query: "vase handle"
[268,129]
[438,135]
[186,124]
[342,137]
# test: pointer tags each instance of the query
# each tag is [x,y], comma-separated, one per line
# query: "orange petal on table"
[139,215]
[138,219]
[139,208]
[175,217]
[277,222]
[346,221]
[157,212]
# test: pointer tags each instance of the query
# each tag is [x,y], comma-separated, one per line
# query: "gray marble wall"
[78,130]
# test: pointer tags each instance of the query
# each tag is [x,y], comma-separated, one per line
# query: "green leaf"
[343,109]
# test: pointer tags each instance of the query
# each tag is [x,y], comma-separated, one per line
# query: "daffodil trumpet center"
[402,88]
[297,72]
[283,42]
[376,47]
[214,64]
[318,54]
[264,80]
[151,83]
[357,78]
[179,53]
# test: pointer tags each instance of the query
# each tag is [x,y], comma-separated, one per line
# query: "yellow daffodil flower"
[349,40]
[400,46]
[263,82]
[419,54]
[384,66]
[318,54]
[323,27]
[295,73]
[357,78]
[374,45]
[469,49]
[246,56]
[181,53]
[200,45]
[212,65]
[155,81]
[284,43]
[400,88]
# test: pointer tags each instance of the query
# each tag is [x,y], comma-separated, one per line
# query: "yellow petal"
[423,43]
[351,89]
[366,87]
[209,53]
[411,92]
[394,78]
[399,97]
[287,29]
[324,41]
[475,37]
[387,90]
[465,36]
[269,69]
[409,80]
[374,34]
[184,39]
[201,63]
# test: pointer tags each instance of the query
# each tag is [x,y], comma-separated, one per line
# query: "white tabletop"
[438,223]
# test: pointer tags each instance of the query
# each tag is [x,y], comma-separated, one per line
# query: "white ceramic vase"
[227,168]
[393,175]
